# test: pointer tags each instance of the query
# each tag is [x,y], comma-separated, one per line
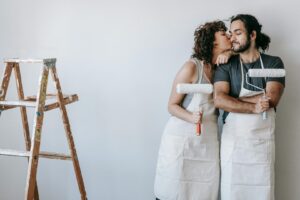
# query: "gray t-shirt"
[231,72]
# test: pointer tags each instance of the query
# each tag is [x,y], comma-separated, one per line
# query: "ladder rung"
[67,100]
[59,156]
[48,96]
[43,154]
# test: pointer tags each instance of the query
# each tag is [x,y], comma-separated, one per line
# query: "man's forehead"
[237,25]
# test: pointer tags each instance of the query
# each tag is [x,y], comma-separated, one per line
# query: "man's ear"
[253,35]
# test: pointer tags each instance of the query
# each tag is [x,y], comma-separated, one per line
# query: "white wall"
[121,58]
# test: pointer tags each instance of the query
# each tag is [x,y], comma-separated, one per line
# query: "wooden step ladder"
[42,102]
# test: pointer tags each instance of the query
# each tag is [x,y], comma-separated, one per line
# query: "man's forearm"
[251,99]
[231,104]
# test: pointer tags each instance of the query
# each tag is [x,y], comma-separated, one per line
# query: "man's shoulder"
[234,59]
[269,57]
[272,61]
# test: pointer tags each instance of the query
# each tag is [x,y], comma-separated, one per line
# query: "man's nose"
[228,35]
[232,38]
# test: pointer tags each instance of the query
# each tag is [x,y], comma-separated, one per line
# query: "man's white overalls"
[248,154]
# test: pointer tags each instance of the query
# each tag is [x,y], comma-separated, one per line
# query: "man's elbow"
[218,101]
[275,99]
[273,103]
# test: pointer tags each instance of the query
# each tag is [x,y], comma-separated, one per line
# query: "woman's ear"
[215,44]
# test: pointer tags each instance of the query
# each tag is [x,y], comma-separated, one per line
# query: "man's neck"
[250,55]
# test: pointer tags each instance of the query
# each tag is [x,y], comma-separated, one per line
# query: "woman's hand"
[223,57]
[196,117]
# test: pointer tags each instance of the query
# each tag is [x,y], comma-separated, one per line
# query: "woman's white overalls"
[188,165]
[248,154]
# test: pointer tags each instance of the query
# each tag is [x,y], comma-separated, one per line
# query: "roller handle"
[198,125]
[264,114]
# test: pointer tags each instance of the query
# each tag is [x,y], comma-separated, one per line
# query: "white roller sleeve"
[266,72]
[184,88]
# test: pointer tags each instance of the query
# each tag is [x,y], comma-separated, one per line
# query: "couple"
[188,166]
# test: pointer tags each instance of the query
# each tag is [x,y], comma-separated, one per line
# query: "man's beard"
[244,47]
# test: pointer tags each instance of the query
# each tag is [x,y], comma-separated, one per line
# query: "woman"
[188,165]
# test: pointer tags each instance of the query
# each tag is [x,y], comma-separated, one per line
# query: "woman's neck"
[216,53]
[207,66]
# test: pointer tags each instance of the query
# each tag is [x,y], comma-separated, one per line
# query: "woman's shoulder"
[190,66]
[188,71]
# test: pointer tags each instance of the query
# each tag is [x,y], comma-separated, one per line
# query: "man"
[247,144]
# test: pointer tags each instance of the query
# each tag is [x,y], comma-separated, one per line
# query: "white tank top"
[188,98]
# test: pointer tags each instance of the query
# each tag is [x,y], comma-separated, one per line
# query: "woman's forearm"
[180,112]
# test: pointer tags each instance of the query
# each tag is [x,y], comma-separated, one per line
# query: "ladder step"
[43,154]
[50,104]
[17,60]
[18,103]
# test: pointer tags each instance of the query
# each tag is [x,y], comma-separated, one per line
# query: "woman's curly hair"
[204,40]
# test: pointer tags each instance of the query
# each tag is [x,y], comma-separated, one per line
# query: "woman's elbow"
[170,108]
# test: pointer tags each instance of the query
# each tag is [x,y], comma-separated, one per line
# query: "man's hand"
[262,105]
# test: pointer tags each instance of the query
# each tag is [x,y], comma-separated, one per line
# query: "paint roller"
[264,73]
[196,89]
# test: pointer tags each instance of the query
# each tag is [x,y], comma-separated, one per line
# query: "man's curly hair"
[204,40]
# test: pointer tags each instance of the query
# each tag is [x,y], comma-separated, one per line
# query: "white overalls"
[188,165]
[248,154]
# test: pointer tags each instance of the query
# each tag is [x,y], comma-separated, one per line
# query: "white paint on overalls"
[188,165]
[248,154]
